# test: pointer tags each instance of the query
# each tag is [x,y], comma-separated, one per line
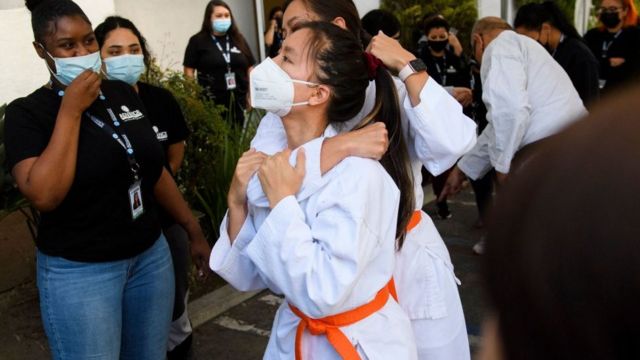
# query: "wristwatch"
[414,66]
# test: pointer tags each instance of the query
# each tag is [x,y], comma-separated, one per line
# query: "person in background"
[273,35]
[454,43]
[561,275]
[381,20]
[449,70]
[220,58]
[548,25]
[616,43]
[529,97]
[125,56]
[82,151]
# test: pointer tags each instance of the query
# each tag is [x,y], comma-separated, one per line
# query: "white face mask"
[272,88]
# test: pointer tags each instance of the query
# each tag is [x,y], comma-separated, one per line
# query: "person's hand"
[273,25]
[200,252]
[390,52]
[454,183]
[82,92]
[616,61]
[279,179]
[455,44]
[248,164]
[372,141]
[463,95]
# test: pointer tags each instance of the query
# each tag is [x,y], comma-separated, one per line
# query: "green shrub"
[10,198]
[213,147]
[461,14]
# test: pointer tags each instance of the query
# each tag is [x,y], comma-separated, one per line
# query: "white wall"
[168,27]
[364,6]
[21,70]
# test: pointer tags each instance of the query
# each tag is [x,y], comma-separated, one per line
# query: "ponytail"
[396,160]
[342,64]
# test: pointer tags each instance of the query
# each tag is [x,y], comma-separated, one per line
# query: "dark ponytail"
[343,65]
[532,16]
[45,14]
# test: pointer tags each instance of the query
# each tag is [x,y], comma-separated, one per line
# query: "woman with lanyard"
[327,246]
[616,43]
[83,152]
[448,69]
[548,25]
[438,133]
[220,56]
[125,56]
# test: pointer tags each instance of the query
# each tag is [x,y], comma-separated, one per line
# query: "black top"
[448,70]
[582,67]
[94,222]
[168,123]
[203,55]
[626,45]
[164,115]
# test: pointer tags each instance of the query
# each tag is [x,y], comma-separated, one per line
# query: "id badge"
[230,77]
[602,83]
[135,200]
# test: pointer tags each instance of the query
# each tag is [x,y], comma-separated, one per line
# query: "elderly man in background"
[528,96]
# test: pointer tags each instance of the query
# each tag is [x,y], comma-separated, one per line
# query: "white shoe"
[478,248]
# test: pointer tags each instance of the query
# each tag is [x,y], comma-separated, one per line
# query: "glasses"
[611,9]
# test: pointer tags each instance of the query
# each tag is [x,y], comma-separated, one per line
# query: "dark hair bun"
[33,4]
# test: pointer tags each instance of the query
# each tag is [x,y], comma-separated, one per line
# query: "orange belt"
[330,325]
[415,220]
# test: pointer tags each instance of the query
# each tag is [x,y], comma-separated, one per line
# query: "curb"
[215,303]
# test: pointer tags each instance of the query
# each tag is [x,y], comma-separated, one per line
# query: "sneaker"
[443,211]
[478,248]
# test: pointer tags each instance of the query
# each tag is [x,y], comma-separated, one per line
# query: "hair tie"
[373,63]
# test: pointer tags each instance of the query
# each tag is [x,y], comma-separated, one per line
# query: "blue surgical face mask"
[221,25]
[127,68]
[67,69]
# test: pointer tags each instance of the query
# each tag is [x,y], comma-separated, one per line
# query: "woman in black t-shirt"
[220,56]
[616,43]
[83,152]
[125,54]
[448,70]
[549,26]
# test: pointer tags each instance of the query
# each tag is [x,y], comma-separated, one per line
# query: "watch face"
[418,65]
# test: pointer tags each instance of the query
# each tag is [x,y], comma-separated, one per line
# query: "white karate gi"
[329,250]
[437,135]
[529,97]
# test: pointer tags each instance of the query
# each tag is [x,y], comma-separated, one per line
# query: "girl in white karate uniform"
[437,134]
[327,245]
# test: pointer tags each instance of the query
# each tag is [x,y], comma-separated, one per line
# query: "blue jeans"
[111,310]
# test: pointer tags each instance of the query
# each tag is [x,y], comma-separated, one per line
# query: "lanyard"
[122,139]
[225,55]
[443,74]
[607,44]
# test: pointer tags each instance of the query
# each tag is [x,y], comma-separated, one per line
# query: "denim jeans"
[111,310]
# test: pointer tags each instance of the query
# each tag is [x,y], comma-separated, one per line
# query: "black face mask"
[610,19]
[279,22]
[437,45]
